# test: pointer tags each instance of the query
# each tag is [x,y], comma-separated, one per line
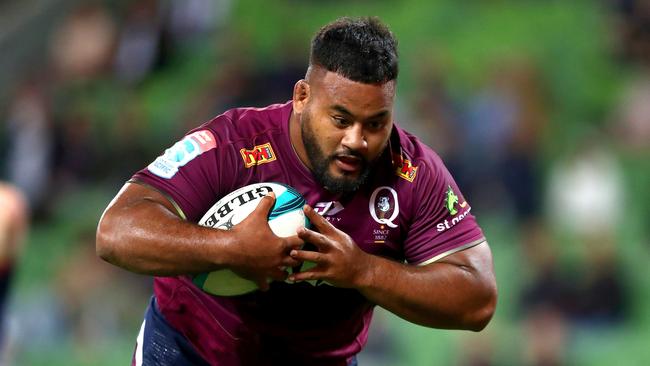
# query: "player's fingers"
[307,255]
[293,242]
[290,262]
[319,240]
[307,276]
[266,203]
[317,220]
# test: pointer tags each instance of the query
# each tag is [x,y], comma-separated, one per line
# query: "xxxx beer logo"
[406,170]
[260,154]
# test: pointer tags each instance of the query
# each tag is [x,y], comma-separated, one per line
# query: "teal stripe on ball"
[286,203]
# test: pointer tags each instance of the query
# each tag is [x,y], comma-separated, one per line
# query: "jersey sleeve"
[189,173]
[442,223]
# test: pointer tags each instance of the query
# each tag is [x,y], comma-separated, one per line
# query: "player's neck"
[296,140]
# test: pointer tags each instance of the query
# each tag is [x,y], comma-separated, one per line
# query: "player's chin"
[344,182]
[345,177]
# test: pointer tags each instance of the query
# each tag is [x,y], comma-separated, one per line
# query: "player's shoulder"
[415,161]
[248,122]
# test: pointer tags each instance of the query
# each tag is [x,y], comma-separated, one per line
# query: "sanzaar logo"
[451,201]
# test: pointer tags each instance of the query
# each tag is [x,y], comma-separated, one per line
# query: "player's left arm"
[456,292]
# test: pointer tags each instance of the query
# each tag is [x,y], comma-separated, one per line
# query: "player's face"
[345,127]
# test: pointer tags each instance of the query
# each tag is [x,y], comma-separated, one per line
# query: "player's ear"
[301,94]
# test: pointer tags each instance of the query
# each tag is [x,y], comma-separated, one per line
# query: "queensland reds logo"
[384,206]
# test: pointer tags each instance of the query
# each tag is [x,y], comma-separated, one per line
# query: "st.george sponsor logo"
[260,154]
[451,201]
[181,153]
[448,224]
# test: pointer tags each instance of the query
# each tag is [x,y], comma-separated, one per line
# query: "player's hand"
[339,260]
[258,254]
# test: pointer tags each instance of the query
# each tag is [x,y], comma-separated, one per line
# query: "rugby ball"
[285,218]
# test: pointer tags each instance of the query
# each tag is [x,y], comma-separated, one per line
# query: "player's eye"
[340,121]
[375,125]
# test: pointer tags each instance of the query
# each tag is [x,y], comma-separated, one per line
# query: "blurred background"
[541,110]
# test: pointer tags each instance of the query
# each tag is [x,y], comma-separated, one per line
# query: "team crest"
[260,154]
[406,170]
[384,206]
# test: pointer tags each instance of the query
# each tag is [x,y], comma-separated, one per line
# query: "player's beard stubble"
[321,163]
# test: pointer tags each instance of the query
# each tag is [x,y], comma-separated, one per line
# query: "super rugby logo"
[260,154]
[407,170]
[384,206]
[181,153]
[227,207]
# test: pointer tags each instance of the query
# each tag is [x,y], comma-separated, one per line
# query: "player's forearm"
[450,296]
[147,238]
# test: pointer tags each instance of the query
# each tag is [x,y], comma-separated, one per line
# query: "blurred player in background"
[13,227]
[390,226]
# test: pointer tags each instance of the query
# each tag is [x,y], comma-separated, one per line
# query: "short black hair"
[360,49]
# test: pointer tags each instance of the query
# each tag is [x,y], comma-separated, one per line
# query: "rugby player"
[390,226]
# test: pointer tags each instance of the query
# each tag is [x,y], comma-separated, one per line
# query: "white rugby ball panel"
[285,218]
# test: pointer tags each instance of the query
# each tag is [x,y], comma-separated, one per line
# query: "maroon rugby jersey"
[410,210]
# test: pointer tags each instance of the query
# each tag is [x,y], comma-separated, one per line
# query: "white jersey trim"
[452,251]
[169,198]
[139,345]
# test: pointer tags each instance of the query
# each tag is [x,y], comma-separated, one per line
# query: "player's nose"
[354,138]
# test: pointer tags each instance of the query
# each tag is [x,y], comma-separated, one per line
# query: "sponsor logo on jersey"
[329,209]
[406,170]
[260,154]
[384,206]
[451,201]
[181,153]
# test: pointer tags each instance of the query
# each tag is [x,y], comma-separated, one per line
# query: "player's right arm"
[140,231]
